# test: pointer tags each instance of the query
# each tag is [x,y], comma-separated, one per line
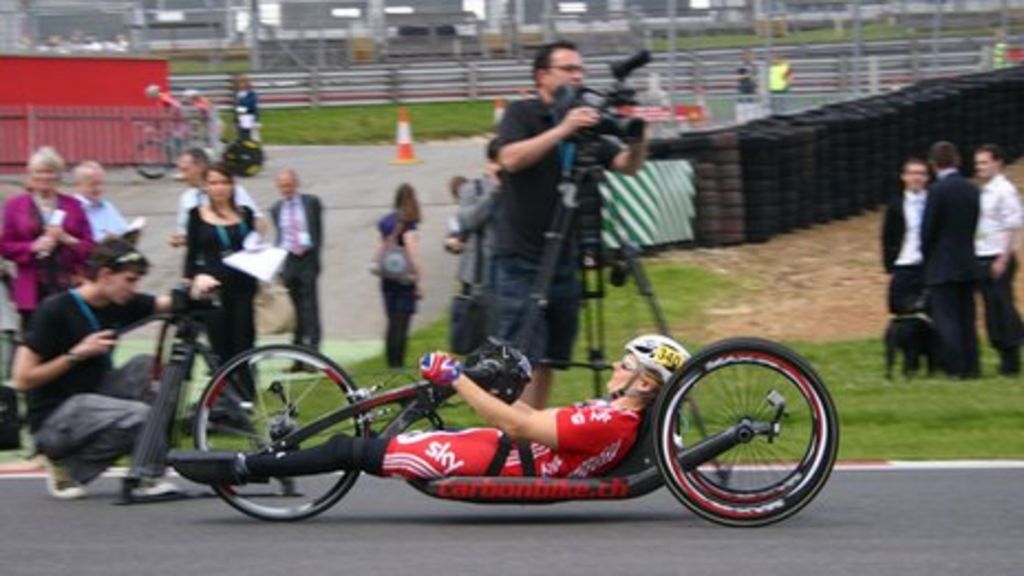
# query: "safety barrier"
[793,171]
[110,135]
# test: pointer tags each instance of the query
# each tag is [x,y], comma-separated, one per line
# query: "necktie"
[294,244]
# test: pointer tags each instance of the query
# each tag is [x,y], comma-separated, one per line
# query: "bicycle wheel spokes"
[779,416]
[263,396]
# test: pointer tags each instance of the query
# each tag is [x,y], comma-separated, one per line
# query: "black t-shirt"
[208,245]
[57,325]
[530,195]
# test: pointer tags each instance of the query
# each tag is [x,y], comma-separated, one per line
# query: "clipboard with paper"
[257,259]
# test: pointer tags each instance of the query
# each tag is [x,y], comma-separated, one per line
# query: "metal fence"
[711,73]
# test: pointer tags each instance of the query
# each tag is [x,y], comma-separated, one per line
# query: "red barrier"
[79,81]
[88,108]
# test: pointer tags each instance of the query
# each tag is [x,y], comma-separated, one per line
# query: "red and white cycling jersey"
[592,438]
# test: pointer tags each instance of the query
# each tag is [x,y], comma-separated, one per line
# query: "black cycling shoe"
[216,468]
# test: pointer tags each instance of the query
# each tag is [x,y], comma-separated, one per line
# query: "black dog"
[914,335]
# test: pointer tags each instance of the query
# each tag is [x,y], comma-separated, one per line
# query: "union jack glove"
[439,368]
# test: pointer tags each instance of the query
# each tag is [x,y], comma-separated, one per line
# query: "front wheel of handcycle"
[263,395]
[151,159]
[780,428]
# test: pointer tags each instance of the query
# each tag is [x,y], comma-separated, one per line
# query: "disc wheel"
[151,159]
[774,473]
[261,396]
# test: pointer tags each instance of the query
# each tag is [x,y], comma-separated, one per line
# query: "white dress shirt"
[295,236]
[1000,215]
[913,215]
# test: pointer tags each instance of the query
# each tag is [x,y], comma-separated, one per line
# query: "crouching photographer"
[543,140]
[83,413]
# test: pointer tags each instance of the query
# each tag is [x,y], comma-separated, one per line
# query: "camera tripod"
[580,204]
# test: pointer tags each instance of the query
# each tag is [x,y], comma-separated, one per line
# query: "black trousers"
[232,330]
[300,278]
[952,311]
[397,337]
[1002,320]
[906,290]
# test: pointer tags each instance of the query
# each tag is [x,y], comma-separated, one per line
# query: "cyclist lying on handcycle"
[579,441]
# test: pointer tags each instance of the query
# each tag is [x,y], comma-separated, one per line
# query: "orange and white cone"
[499,110]
[403,138]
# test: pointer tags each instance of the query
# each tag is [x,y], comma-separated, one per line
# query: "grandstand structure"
[330,34]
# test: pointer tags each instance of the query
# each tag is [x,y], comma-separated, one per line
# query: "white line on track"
[10,472]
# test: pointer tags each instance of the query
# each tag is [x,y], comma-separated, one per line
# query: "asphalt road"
[898,523]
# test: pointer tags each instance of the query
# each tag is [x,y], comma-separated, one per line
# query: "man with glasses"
[535,155]
[83,413]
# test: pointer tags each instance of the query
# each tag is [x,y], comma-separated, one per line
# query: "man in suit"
[297,217]
[950,267]
[901,240]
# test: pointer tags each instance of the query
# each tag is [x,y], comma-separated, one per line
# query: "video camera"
[607,103]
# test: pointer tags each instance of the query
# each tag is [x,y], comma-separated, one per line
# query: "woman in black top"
[216,230]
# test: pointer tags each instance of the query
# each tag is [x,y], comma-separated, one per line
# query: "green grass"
[374,124]
[870,32]
[922,418]
[926,418]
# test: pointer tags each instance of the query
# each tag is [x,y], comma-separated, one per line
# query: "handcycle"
[765,446]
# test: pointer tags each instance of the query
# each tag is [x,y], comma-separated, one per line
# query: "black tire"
[293,386]
[795,464]
[151,159]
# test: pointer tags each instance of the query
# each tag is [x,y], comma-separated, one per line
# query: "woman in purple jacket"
[46,234]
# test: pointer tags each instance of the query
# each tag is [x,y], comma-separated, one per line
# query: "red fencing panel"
[79,81]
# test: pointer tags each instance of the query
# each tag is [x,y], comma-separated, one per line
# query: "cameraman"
[537,153]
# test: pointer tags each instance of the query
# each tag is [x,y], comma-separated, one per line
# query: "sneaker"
[154,487]
[60,484]
[216,468]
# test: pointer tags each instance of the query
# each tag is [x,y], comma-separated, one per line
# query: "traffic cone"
[403,138]
[499,110]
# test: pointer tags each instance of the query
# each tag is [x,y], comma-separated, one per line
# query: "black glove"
[499,368]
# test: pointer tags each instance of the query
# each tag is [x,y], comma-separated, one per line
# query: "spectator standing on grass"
[104,218]
[950,267]
[997,240]
[901,240]
[398,228]
[192,164]
[247,110]
[45,233]
[298,217]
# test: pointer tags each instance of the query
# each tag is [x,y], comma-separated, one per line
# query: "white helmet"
[658,354]
[191,93]
[152,91]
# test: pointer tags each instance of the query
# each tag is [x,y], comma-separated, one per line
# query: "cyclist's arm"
[534,426]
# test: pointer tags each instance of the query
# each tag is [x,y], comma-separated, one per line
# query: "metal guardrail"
[714,73]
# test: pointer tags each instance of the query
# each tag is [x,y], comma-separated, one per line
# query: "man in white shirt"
[996,242]
[901,240]
[104,218]
[191,164]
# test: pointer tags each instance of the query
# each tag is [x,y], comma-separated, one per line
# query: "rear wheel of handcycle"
[261,396]
[772,474]
[244,157]
[151,159]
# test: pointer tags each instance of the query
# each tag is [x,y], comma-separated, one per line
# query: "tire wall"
[785,173]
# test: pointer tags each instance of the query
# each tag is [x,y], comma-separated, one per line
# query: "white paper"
[257,259]
[246,121]
[136,225]
[57,217]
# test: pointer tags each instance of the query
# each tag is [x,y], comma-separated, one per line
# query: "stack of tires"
[719,185]
[760,151]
